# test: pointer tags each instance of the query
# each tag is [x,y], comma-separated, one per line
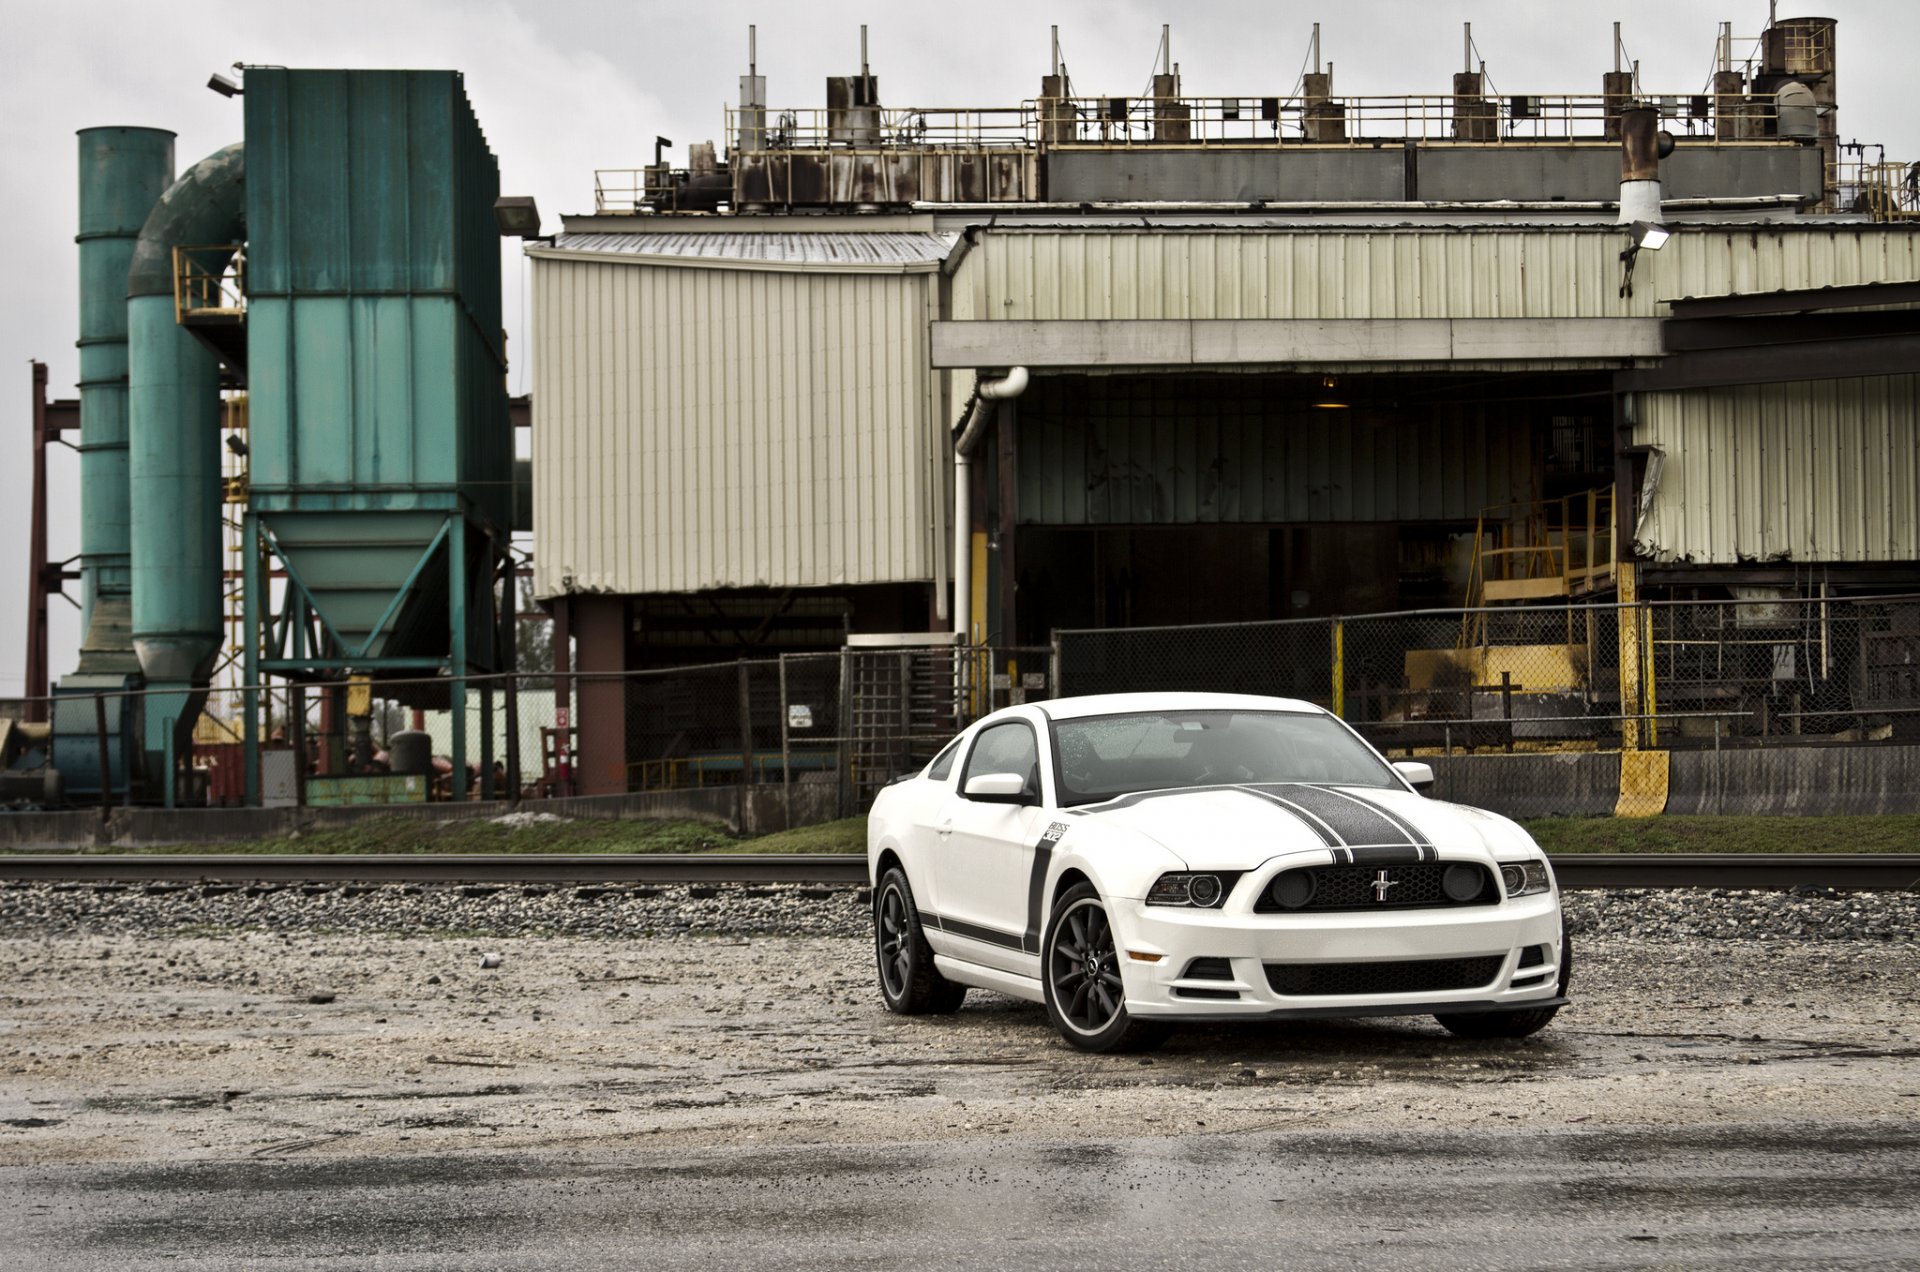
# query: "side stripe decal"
[972,931]
[1037,885]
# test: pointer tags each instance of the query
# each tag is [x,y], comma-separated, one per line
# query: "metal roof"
[831,252]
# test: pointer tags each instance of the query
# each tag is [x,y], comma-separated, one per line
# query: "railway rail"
[1873,871]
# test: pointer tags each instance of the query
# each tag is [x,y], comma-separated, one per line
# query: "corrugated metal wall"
[1120,450]
[1827,470]
[730,428]
[1442,272]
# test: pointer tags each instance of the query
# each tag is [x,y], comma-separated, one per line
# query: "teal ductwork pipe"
[174,436]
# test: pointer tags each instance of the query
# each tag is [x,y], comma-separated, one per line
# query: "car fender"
[1120,864]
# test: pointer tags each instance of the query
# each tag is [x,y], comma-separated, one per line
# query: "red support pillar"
[563,696]
[44,577]
[600,626]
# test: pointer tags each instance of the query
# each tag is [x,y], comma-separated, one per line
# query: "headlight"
[1525,878]
[1199,891]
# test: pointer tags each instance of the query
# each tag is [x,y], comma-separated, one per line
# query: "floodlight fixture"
[516,216]
[224,86]
[1649,234]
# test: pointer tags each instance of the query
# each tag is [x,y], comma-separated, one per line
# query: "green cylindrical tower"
[123,172]
[174,453]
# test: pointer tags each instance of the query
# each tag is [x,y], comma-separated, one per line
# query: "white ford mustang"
[1139,859]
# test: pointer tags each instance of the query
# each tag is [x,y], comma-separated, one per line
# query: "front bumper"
[1490,940]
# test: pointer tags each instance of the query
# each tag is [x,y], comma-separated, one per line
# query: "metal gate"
[903,702]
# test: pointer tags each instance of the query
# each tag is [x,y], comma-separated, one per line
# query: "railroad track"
[1880,871]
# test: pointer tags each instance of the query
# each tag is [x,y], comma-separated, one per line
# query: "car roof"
[1122,703]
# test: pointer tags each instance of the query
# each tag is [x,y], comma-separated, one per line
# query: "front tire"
[1513,1024]
[910,984]
[1080,971]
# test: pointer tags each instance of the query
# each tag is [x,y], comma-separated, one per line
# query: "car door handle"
[945,828]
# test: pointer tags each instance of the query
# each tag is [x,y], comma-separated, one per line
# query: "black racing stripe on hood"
[1411,831]
[1385,855]
[1327,834]
[1355,821]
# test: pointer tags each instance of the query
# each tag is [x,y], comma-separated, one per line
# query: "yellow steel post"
[1340,667]
[1647,678]
[1628,618]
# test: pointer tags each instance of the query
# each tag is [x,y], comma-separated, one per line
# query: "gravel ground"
[173,1048]
[795,910]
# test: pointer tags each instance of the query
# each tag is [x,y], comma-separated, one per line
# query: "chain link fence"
[1673,674]
[836,726]
[1751,704]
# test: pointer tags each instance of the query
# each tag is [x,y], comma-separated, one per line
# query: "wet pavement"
[1786,1196]
[234,1099]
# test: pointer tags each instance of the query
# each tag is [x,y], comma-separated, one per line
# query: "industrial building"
[1090,362]
[880,378]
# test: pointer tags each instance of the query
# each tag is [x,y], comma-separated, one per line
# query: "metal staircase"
[1541,551]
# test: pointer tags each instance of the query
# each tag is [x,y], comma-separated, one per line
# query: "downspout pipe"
[174,440]
[987,395]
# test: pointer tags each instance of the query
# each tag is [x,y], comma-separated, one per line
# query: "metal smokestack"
[1640,165]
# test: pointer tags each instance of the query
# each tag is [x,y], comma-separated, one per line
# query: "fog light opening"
[1461,882]
[1294,889]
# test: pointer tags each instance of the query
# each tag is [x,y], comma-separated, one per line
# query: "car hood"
[1238,827]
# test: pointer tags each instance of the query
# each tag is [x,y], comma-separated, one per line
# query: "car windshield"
[1105,756]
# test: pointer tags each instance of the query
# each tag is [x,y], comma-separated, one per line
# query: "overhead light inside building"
[1649,235]
[516,216]
[224,86]
[1329,397]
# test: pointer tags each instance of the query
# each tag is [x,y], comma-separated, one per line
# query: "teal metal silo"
[381,452]
[123,171]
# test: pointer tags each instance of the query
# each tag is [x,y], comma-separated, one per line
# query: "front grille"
[1415,886]
[1208,969]
[1327,980]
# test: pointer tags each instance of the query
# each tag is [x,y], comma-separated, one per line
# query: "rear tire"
[1080,972]
[910,984]
[1512,1024]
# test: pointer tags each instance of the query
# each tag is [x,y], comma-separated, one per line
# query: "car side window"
[942,766]
[1006,748]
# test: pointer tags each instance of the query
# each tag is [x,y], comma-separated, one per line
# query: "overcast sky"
[562,88]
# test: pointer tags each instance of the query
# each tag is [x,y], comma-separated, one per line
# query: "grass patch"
[847,835]
[1891,833]
[1733,834]
[474,835]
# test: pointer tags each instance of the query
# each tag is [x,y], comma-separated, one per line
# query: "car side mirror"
[1417,775]
[997,788]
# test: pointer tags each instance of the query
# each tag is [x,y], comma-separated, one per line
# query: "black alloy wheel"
[1513,1024]
[1081,976]
[910,985]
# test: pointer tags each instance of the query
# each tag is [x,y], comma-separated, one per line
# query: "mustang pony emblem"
[1380,885]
